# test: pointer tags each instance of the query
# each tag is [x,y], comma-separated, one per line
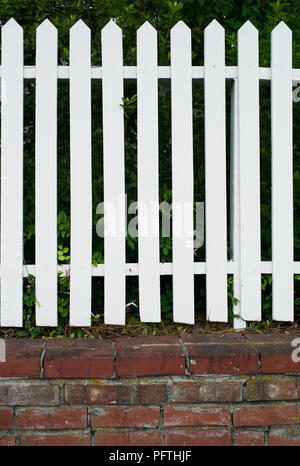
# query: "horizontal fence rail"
[163,72]
[244,208]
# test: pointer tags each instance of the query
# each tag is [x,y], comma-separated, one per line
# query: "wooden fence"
[246,265]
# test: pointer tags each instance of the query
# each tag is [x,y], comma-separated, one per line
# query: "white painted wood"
[113,171]
[246,265]
[249,172]
[45,176]
[166,268]
[163,72]
[238,322]
[282,174]
[147,154]
[215,173]
[81,176]
[12,175]
[182,174]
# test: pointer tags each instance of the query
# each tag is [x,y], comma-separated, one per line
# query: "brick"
[233,358]
[7,441]
[196,416]
[56,440]
[272,337]
[26,394]
[266,415]
[271,388]
[75,343]
[189,438]
[116,416]
[97,394]
[284,436]
[22,358]
[193,392]
[144,439]
[193,338]
[249,438]
[154,394]
[150,360]
[70,359]
[138,439]
[6,418]
[151,340]
[112,439]
[276,358]
[52,418]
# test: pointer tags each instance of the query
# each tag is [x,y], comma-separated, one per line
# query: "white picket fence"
[246,265]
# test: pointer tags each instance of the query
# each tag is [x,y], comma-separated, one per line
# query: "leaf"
[165,250]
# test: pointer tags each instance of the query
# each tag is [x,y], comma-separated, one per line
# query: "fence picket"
[81,177]
[12,175]
[238,322]
[148,209]
[114,177]
[45,176]
[248,91]
[182,174]
[215,173]
[282,174]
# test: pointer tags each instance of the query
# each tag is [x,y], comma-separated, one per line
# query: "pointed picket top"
[12,27]
[282,30]
[112,46]
[281,45]
[46,26]
[180,28]
[214,32]
[80,28]
[248,29]
[146,45]
[180,38]
[46,31]
[111,28]
[248,45]
[282,26]
[146,29]
[214,26]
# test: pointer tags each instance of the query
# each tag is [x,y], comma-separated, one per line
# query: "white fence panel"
[12,175]
[147,153]
[244,211]
[249,172]
[81,176]
[45,176]
[182,174]
[215,173]
[114,176]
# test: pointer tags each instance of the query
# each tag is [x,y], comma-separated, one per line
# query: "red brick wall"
[192,390]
